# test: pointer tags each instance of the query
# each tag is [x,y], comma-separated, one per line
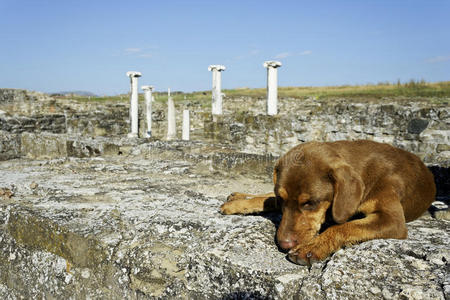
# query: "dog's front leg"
[385,222]
[247,204]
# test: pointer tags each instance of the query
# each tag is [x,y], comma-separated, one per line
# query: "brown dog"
[387,186]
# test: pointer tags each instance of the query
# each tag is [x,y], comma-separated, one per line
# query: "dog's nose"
[287,244]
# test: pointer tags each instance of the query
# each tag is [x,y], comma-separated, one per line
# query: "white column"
[148,108]
[216,88]
[134,106]
[171,124]
[186,125]
[272,86]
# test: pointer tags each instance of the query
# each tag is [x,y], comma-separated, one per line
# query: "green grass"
[100,99]
[411,89]
[369,91]
[159,97]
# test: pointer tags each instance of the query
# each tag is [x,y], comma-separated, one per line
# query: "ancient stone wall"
[422,127]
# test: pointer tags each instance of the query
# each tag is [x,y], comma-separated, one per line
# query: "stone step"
[50,146]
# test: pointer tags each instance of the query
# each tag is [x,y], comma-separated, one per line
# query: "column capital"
[147,88]
[134,74]
[216,67]
[272,64]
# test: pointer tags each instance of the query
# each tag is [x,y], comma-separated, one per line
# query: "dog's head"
[308,180]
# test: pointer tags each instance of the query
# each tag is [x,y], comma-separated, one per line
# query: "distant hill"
[77,93]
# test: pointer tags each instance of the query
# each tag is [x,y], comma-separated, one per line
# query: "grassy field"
[376,91]
[412,89]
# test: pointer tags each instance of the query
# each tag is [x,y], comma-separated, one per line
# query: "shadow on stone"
[241,295]
[442,181]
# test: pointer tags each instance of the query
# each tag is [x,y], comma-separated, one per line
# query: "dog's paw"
[228,208]
[308,254]
[235,208]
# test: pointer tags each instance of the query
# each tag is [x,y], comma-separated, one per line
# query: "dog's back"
[379,162]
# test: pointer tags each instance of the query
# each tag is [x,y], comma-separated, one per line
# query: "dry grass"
[374,91]
[412,89]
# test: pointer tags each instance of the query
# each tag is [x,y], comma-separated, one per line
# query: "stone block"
[80,148]
[443,147]
[10,145]
[416,126]
[435,136]
[43,145]
[12,95]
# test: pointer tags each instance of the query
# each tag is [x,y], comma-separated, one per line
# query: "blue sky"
[61,45]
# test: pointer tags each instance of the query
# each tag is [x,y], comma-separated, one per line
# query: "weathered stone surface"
[49,123]
[43,145]
[9,145]
[12,95]
[48,145]
[26,103]
[110,121]
[146,224]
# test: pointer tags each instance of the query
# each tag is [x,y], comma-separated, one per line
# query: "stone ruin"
[87,212]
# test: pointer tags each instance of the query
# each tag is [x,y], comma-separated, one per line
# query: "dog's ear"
[348,192]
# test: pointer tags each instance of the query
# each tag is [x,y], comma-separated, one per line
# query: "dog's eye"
[308,205]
